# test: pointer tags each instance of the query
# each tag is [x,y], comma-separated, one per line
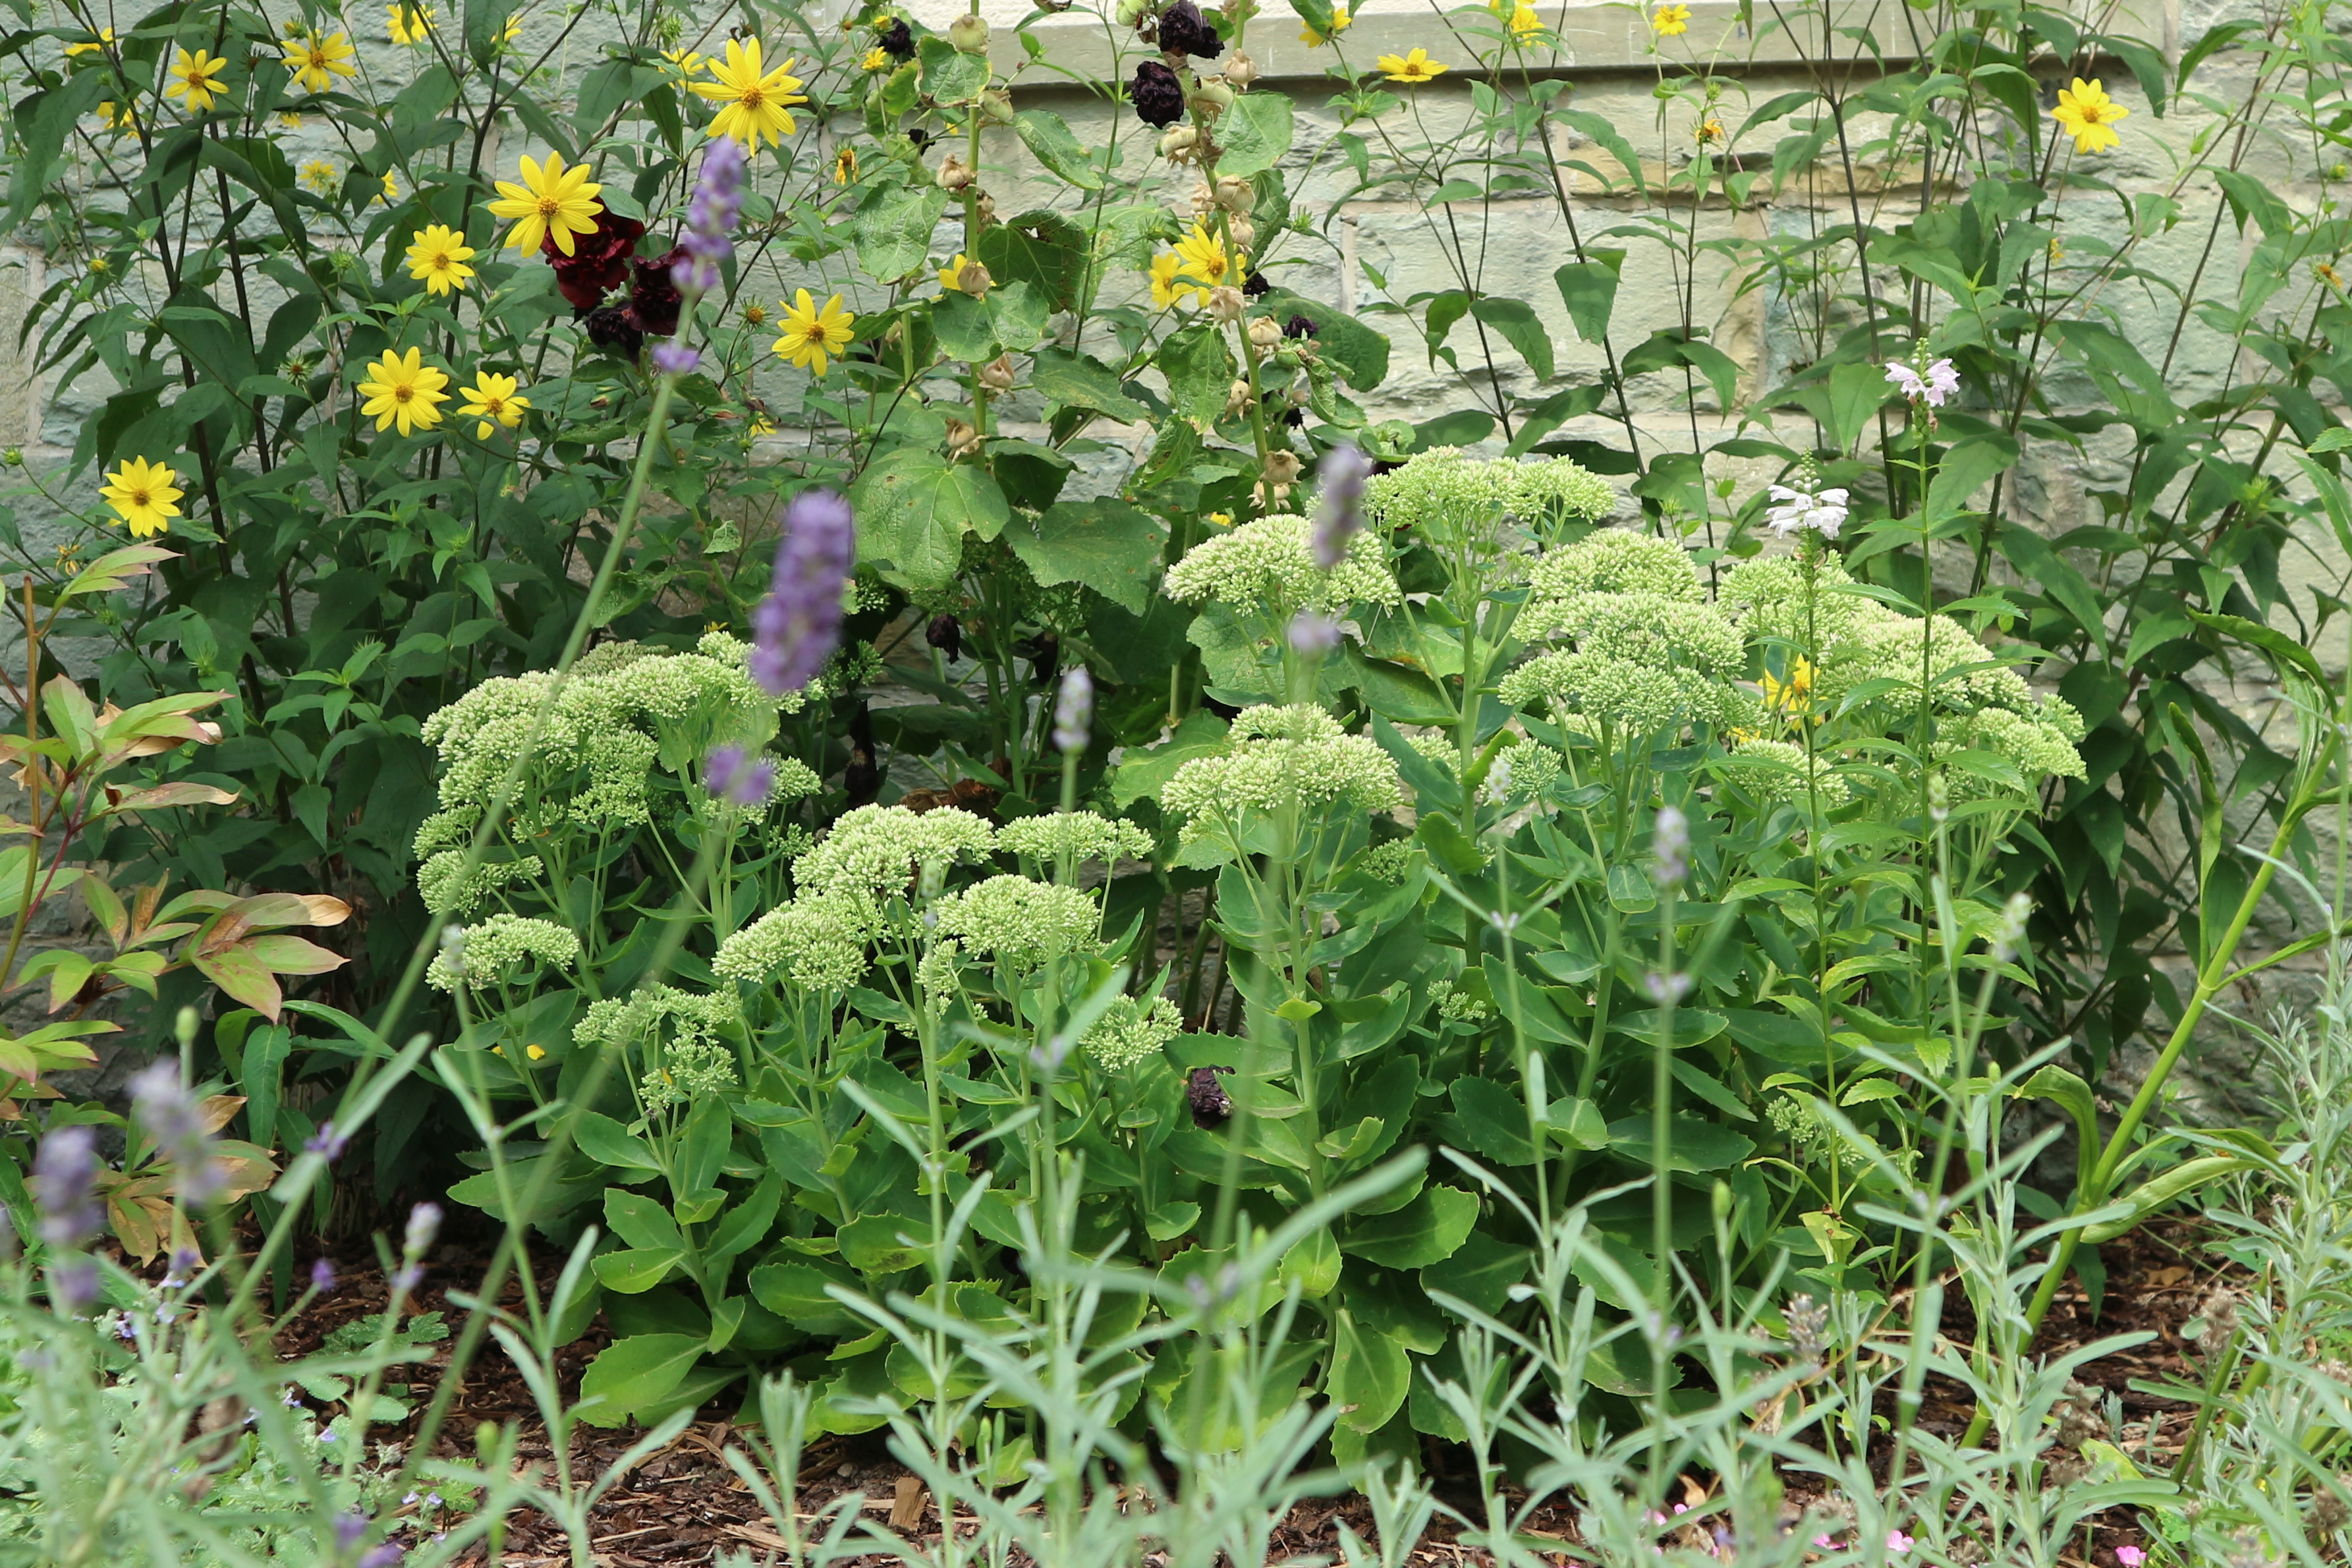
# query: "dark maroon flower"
[1157,96]
[898,41]
[598,262]
[1299,327]
[609,328]
[1184,32]
[1254,285]
[1209,1102]
[654,302]
[946,634]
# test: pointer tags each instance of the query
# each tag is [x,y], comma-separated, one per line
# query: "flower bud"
[1179,141]
[996,104]
[1282,467]
[1234,193]
[974,279]
[1129,12]
[1226,303]
[997,375]
[1213,97]
[964,440]
[983,211]
[1236,399]
[1244,233]
[1264,334]
[1241,70]
[955,173]
[969,34]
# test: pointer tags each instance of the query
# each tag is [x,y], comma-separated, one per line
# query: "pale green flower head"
[694,1068]
[1266,571]
[1772,601]
[620,1022]
[1631,697]
[497,950]
[1441,492]
[1389,861]
[450,890]
[1558,492]
[1776,772]
[2038,747]
[1274,756]
[1019,921]
[1132,1030]
[1041,841]
[1889,648]
[1615,561]
[877,852]
[1644,628]
[817,941]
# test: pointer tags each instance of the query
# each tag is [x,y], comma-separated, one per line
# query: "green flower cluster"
[618,1022]
[450,889]
[1041,841]
[818,941]
[1613,560]
[1775,772]
[1266,569]
[1021,922]
[1447,495]
[1131,1030]
[1274,756]
[490,954]
[879,852]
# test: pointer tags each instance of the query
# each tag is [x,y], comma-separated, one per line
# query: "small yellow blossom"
[290,123]
[554,200]
[1793,694]
[535,1052]
[761,425]
[142,494]
[1709,133]
[756,314]
[1203,257]
[688,62]
[951,276]
[877,58]
[321,176]
[2328,275]
[1222,519]
[844,167]
[408,25]
[391,189]
[118,117]
[404,390]
[1670,21]
[2087,114]
[105,37]
[1521,20]
[493,399]
[1340,23]
[1165,289]
[1412,70]
[437,255]
[197,77]
[756,99]
[317,61]
[810,334]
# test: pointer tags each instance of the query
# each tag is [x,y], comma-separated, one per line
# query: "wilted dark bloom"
[1255,284]
[610,328]
[1299,327]
[798,624]
[1338,502]
[65,1172]
[1314,635]
[1074,709]
[327,1142]
[598,262]
[1670,846]
[1182,31]
[1157,96]
[945,634]
[1207,1097]
[655,303]
[737,778]
[676,359]
[174,1119]
[424,1225]
[898,39]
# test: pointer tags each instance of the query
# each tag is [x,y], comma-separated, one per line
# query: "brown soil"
[686,1506]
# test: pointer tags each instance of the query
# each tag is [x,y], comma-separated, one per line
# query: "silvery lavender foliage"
[710,218]
[1338,502]
[798,624]
[65,1176]
[174,1119]
[738,778]
[1074,709]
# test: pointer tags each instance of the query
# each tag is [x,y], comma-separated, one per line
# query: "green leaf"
[607,1142]
[1360,353]
[892,231]
[1200,371]
[1427,1230]
[1042,249]
[640,1220]
[1588,289]
[1111,547]
[951,76]
[1604,130]
[1254,134]
[1050,140]
[2152,1196]
[637,1270]
[1967,469]
[1494,1121]
[1515,320]
[1692,1144]
[1018,311]
[630,1374]
[1081,381]
[1630,891]
[1144,771]
[1368,1377]
[914,507]
[794,1290]
[2047,570]
[965,327]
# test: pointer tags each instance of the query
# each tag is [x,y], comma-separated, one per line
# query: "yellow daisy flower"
[1165,289]
[1202,256]
[874,59]
[1795,694]
[810,334]
[117,117]
[1339,22]
[756,102]
[290,123]
[437,255]
[554,200]
[408,25]
[844,167]
[1670,21]
[494,400]
[951,276]
[197,77]
[142,494]
[317,61]
[2087,114]
[1523,20]
[688,61]
[320,175]
[1410,70]
[391,189]
[761,425]
[404,390]
[105,37]
[514,30]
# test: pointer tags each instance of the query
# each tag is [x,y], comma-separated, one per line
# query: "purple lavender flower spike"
[322,1276]
[736,778]
[798,624]
[709,217]
[351,1529]
[1670,845]
[65,1172]
[1339,502]
[328,1142]
[172,1119]
[424,1225]
[1074,709]
[677,358]
[1314,635]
